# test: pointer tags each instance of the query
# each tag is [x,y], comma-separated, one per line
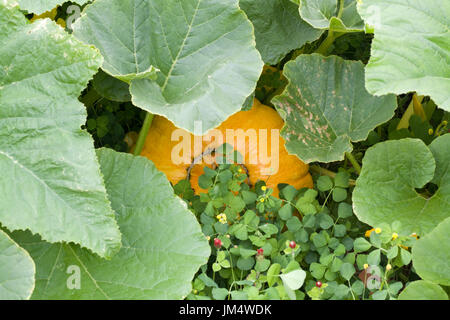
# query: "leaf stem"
[143,133]
[326,44]
[326,172]
[341,8]
[351,290]
[353,161]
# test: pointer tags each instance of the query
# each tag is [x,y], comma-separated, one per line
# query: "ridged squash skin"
[158,148]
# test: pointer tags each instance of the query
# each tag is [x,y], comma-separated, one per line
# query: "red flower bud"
[292,244]
[217,243]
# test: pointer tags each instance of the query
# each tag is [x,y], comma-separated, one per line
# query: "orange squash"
[291,170]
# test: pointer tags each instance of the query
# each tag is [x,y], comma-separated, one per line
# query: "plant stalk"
[353,161]
[143,133]
[326,172]
[341,8]
[326,44]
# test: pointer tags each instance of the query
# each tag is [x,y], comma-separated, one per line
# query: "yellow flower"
[222,218]
[377,230]
[394,235]
[368,232]
[365,266]
[414,235]
[263,188]
[262,200]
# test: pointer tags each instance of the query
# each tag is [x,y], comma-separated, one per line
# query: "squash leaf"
[325,106]
[204,51]
[162,243]
[121,30]
[278,28]
[51,181]
[335,15]
[409,54]
[423,290]
[111,88]
[431,255]
[16,270]
[41,6]
[386,189]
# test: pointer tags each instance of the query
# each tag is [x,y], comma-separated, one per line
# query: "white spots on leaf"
[288,109]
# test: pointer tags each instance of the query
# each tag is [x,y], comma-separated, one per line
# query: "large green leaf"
[392,170]
[111,88]
[162,243]
[423,290]
[336,15]
[431,254]
[278,28]
[51,182]
[122,31]
[411,49]
[325,106]
[16,270]
[204,49]
[40,6]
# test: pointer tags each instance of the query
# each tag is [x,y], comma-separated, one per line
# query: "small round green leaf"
[294,279]
[361,245]
[324,183]
[347,270]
